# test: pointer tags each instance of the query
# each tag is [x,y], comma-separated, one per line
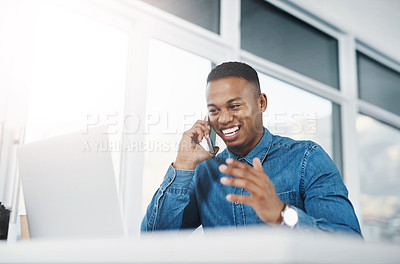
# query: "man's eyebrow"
[234,99]
[228,102]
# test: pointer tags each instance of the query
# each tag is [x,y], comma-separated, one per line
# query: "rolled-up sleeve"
[174,204]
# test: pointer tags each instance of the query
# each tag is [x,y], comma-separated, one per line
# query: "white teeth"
[230,131]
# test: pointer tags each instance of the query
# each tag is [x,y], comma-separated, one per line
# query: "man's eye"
[212,111]
[236,106]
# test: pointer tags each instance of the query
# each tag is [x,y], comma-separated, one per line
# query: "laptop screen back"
[69,187]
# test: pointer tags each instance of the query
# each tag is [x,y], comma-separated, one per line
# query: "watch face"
[290,217]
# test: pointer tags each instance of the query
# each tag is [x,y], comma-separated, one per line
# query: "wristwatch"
[290,216]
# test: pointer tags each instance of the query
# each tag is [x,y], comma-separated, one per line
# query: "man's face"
[236,113]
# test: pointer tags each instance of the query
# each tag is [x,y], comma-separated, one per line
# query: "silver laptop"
[69,187]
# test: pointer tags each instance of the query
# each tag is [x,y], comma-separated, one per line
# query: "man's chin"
[234,148]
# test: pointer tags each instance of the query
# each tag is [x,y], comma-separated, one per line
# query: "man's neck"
[243,152]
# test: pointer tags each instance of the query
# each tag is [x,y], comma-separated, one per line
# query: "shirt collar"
[259,151]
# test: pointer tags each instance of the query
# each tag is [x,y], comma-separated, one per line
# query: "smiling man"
[260,179]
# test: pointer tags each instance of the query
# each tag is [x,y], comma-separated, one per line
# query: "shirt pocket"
[288,197]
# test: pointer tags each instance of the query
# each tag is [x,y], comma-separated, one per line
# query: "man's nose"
[225,118]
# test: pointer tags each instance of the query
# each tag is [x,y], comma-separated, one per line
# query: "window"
[175,100]
[379,166]
[205,13]
[295,113]
[79,76]
[378,84]
[275,35]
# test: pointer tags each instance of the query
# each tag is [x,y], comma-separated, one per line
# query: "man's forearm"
[173,205]
[307,223]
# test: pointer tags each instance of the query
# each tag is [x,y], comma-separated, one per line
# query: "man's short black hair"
[236,69]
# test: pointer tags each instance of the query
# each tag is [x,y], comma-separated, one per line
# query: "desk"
[226,246]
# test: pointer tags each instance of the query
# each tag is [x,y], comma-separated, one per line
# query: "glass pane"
[175,100]
[205,13]
[275,35]
[302,115]
[378,84]
[379,166]
[79,76]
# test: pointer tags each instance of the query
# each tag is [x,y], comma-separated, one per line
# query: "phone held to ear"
[211,140]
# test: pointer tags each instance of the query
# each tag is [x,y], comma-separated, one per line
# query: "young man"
[259,179]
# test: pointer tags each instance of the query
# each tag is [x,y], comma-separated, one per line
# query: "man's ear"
[263,102]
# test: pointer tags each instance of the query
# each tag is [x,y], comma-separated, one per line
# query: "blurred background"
[330,70]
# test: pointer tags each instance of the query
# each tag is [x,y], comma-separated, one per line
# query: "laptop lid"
[69,186]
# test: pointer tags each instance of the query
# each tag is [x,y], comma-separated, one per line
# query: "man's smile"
[230,133]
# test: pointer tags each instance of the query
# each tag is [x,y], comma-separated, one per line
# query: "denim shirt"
[303,174]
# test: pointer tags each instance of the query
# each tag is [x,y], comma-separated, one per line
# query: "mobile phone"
[211,139]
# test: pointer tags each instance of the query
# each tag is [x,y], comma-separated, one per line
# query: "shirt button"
[237,203]
[169,179]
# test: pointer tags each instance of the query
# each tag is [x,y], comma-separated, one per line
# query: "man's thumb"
[257,164]
[216,149]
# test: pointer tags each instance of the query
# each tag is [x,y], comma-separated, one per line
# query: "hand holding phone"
[211,139]
[193,146]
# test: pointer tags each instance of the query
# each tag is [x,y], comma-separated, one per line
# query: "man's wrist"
[282,207]
[179,165]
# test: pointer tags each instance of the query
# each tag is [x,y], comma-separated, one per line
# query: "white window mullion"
[230,25]
[348,84]
[16,57]
[379,113]
[135,105]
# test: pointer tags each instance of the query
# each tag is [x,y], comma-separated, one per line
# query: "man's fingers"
[200,133]
[203,123]
[235,168]
[236,164]
[242,174]
[200,130]
[257,164]
[247,173]
[248,185]
[242,166]
[244,199]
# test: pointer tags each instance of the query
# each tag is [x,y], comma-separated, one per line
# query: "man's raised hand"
[190,152]
[263,197]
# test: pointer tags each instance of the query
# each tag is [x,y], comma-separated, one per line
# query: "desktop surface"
[220,246]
